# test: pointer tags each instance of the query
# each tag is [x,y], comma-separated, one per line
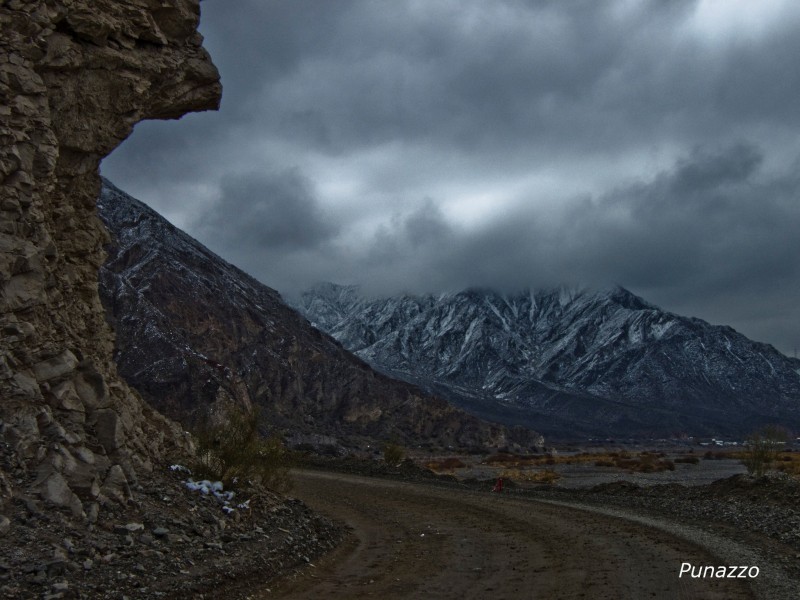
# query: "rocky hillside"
[195,333]
[600,363]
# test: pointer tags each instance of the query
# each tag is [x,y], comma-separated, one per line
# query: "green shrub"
[234,452]
[393,454]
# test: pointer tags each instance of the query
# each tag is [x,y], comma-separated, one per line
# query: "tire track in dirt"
[413,540]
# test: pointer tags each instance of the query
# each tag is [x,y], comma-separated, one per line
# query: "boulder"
[108,429]
[55,367]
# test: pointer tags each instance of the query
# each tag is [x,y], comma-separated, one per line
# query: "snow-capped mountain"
[572,361]
[193,332]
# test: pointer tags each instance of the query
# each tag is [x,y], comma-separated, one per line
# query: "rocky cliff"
[88,507]
[577,362]
[194,332]
[75,76]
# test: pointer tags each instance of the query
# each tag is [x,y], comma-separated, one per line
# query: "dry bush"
[653,453]
[655,466]
[547,476]
[762,449]
[234,452]
[646,462]
[688,460]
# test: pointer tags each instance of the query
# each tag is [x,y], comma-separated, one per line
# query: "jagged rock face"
[75,76]
[576,361]
[194,331]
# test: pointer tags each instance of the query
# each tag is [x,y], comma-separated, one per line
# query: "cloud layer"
[417,145]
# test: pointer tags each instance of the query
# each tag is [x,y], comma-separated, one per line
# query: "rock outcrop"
[75,76]
[195,332]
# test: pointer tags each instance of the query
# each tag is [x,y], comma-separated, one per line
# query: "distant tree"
[762,449]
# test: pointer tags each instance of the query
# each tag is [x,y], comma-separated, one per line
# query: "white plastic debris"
[216,489]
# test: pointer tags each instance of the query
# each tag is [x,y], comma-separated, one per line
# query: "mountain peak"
[628,299]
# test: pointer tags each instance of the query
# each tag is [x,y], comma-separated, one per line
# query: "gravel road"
[412,540]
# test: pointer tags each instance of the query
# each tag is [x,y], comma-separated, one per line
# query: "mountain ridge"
[607,362]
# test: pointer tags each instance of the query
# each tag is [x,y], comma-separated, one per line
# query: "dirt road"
[421,541]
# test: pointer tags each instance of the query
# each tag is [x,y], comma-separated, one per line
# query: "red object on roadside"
[498,486]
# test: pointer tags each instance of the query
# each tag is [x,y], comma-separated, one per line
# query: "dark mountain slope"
[594,362]
[194,332]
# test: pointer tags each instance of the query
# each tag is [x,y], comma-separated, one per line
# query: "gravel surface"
[773,580]
[767,507]
[192,549]
[758,517]
[413,540]
[703,473]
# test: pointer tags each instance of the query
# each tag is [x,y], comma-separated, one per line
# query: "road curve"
[420,541]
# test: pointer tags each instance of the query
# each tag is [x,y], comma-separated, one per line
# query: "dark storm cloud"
[650,144]
[700,219]
[711,221]
[264,214]
[712,235]
[492,75]
[425,225]
[502,80]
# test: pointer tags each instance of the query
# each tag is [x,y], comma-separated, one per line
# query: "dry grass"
[547,476]
[722,454]
[789,463]
[445,465]
[646,462]
[503,459]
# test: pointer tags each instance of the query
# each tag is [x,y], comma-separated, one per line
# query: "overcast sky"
[427,145]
